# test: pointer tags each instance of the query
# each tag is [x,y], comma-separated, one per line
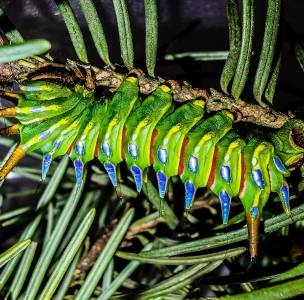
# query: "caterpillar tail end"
[11,130]
[253,221]
[13,160]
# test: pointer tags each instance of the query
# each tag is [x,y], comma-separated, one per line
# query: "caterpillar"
[175,140]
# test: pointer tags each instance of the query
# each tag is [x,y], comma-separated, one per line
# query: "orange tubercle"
[13,160]
[9,112]
[14,129]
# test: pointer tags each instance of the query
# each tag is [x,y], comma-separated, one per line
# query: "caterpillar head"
[289,142]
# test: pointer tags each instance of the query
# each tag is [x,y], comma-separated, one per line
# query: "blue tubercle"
[258,178]
[56,145]
[36,109]
[30,88]
[106,149]
[44,135]
[225,204]
[162,183]
[79,148]
[189,193]
[225,173]
[279,165]
[137,174]
[110,168]
[46,162]
[133,150]
[285,196]
[162,155]
[254,211]
[193,164]
[78,165]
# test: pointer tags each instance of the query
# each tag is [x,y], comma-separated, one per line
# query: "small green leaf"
[151,35]
[184,260]
[108,275]
[13,251]
[122,276]
[104,258]
[235,44]
[225,239]
[268,49]
[281,291]
[242,70]
[50,224]
[10,53]
[89,201]
[271,87]
[68,277]
[53,242]
[173,283]
[73,29]
[96,30]
[292,273]
[27,234]
[165,210]
[14,213]
[67,256]
[23,269]
[125,33]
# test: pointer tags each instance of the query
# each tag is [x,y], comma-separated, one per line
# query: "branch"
[72,73]
[262,116]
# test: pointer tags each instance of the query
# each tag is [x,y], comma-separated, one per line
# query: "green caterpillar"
[174,140]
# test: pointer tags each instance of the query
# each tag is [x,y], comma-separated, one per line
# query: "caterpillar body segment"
[32,111]
[62,144]
[110,151]
[225,176]
[199,152]
[170,134]
[139,129]
[35,136]
[86,140]
[44,91]
[154,132]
